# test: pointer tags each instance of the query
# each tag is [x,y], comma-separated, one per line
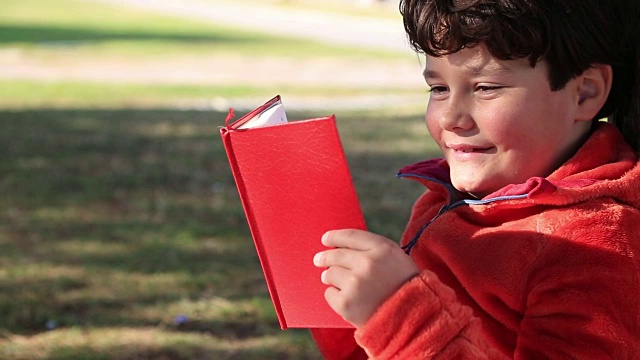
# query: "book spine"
[227,141]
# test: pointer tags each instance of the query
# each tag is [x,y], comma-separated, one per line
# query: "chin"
[474,191]
[464,184]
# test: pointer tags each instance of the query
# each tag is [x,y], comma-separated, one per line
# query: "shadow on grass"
[184,351]
[58,34]
[128,218]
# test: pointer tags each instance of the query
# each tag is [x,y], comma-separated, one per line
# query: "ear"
[593,87]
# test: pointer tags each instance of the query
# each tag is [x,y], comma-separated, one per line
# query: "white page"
[273,115]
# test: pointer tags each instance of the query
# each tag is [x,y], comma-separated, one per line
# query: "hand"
[362,272]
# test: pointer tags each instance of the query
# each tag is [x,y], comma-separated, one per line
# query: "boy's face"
[498,122]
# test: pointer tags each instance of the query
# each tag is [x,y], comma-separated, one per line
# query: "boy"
[526,243]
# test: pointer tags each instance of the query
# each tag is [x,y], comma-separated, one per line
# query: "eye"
[488,91]
[488,88]
[438,90]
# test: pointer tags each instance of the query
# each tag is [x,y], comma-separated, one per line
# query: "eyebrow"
[473,71]
[429,74]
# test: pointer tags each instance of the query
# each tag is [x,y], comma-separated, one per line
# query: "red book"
[294,183]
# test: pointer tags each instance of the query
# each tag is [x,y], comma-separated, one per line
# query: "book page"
[273,115]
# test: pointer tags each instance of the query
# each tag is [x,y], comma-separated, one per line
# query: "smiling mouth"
[466,149]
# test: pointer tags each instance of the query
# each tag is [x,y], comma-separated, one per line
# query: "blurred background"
[121,232]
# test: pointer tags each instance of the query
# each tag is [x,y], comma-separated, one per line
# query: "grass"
[121,232]
[113,223]
[87,29]
[64,94]
[79,32]
[382,11]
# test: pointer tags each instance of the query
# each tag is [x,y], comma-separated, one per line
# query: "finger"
[332,296]
[346,258]
[335,276]
[352,239]
[340,303]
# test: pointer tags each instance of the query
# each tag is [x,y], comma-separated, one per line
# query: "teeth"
[465,149]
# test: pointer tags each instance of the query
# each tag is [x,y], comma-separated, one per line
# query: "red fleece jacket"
[545,269]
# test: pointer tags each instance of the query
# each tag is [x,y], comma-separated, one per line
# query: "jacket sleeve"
[438,327]
[423,320]
[580,301]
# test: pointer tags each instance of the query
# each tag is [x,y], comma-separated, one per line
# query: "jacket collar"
[604,166]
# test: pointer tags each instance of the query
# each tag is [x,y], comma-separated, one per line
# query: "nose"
[456,116]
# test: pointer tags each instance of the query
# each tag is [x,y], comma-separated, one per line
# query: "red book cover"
[295,184]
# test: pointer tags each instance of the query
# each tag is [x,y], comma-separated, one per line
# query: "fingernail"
[323,276]
[316,259]
[324,238]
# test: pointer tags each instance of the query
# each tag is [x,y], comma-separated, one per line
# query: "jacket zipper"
[453,203]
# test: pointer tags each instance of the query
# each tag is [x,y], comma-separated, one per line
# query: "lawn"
[79,34]
[121,232]
[89,28]
[122,235]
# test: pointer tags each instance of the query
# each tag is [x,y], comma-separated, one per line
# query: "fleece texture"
[545,269]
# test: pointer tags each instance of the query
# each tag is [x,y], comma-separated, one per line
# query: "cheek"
[502,125]
[433,125]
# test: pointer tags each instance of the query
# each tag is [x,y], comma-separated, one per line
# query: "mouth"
[470,148]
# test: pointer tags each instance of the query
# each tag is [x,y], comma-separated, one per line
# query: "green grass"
[87,28]
[114,222]
[77,94]
[337,7]
[75,31]
[118,216]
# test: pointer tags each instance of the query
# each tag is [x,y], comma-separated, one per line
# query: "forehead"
[476,61]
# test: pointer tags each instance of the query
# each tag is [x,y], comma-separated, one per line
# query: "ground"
[230,69]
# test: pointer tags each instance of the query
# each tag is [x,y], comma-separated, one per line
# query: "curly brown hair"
[570,35]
